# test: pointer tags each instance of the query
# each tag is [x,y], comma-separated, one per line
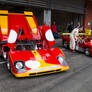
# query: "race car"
[83,44]
[27,47]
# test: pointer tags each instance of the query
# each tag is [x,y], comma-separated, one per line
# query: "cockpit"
[25,45]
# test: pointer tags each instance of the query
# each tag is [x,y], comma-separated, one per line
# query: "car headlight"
[19,65]
[62,60]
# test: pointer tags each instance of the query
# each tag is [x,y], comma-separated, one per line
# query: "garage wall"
[63,19]
[88,16]
[38,6]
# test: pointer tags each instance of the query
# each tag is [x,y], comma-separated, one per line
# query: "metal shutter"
[76,6]
[37,3]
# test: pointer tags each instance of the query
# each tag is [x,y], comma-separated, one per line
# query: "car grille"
[45,72]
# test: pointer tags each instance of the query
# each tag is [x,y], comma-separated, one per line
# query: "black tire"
[6,56]
[87,51]
[8,65]
[65,44]
[76,47]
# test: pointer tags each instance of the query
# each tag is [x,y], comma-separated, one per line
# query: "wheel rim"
[77,47]
[5,55]
[8,65]
[87,52]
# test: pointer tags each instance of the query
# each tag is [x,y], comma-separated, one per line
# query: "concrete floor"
[77,79]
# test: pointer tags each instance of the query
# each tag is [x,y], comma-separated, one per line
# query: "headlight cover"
[62,60]
[19,65]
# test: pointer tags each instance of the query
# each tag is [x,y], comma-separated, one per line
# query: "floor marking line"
[2,63]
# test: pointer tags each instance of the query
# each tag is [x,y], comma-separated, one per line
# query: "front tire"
[8,65]
[5,56]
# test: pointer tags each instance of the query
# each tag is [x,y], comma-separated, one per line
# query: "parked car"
[84,44]
[28,48]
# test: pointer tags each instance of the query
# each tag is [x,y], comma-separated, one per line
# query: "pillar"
[47,17]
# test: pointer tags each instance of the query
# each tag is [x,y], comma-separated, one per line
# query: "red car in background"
[84,44]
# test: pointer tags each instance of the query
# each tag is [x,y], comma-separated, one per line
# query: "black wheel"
[87,51]
[8,65]
[5,56]
[76,47]
[65,44]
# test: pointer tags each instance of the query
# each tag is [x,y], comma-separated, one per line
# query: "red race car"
[83,44]
[27,48]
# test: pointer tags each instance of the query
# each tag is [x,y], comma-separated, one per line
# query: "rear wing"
[70,33]
[86,33]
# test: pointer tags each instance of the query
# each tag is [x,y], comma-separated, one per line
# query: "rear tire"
[65,44]
[76,47]
[87,51]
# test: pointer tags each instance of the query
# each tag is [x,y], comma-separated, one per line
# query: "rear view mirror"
[12,36]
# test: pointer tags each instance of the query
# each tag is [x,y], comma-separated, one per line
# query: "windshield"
[25,45]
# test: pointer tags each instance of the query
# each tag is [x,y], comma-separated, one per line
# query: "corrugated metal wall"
[36,3]
[76,6]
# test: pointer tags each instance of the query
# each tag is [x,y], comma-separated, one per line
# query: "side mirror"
[12,36]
